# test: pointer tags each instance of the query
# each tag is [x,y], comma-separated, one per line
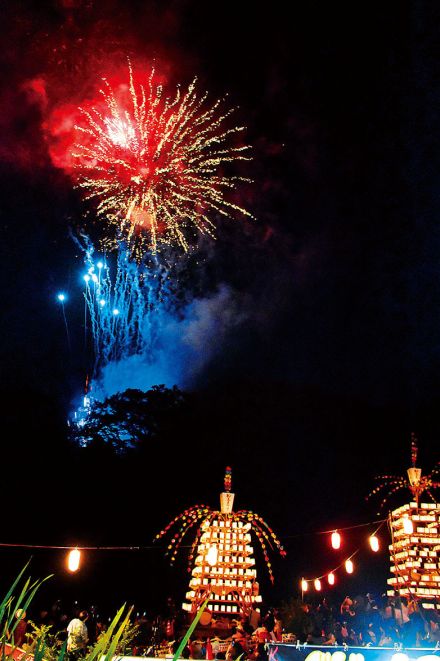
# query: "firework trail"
[124,302]
[157,165]
[119,308]
[61,297]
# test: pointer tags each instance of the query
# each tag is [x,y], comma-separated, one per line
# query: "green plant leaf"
[101,646]
[117,636]
[40,650]
[62,651]
[6,599]
[26,596]
[190,630]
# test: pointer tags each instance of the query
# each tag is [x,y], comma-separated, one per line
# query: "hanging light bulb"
[212,555]
[73,560]
[331,578]
[408,525]
[349,566]
[317,584]
[304,585]
[336,540]
[374,543]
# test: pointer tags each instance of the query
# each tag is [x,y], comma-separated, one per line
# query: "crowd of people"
[364,620]
[355,621]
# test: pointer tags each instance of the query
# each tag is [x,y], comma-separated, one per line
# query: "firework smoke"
[142,335]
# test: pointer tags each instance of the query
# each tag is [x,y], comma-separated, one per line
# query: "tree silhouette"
[129,419]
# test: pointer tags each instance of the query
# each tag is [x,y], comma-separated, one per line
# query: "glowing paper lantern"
[212,555]
[73,560]
[331,578]
[408,525]
[317,584]
[336,540]
[374,543]
[304,585]
[349,566]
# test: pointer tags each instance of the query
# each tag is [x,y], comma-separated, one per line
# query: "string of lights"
[151,547]
[332,530]
[336,542]
[74,552]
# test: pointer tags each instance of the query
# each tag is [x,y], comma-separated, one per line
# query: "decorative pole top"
[414,449]
[227,498]
[416,484]
[228,479]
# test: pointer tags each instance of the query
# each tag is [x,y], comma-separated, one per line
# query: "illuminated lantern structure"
[415,557]
[221,559]
[415,533]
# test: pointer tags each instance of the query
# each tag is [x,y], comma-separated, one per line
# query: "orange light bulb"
[374,543]
[73,560]
[349,567]
[336,540]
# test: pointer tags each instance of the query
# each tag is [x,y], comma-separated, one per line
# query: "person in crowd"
[346,609]
[345,635]
[77,636]
[277,631]
[386,638]
[20,629]
[240,635]
[401,614]
[434,629]
[269,619]
[254,618]
[329,638]
[195,649]
[235,649]
[262,636]
[389,609]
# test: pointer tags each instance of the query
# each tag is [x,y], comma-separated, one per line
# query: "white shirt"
[77,635]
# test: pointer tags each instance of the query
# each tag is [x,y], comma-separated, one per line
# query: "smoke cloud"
[182,349]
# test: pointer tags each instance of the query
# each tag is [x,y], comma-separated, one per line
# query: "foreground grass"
[45,647]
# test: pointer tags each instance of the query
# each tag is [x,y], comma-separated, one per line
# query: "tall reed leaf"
[117,636]
[104,641]
[24,599]
[6,599]
[190,630]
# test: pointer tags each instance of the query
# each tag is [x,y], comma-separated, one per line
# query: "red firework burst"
[155,163]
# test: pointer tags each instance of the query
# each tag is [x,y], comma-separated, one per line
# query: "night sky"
[330,356]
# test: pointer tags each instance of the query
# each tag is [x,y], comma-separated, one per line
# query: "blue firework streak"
[124,302]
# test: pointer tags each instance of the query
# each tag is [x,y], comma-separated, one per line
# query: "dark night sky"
[337,359]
